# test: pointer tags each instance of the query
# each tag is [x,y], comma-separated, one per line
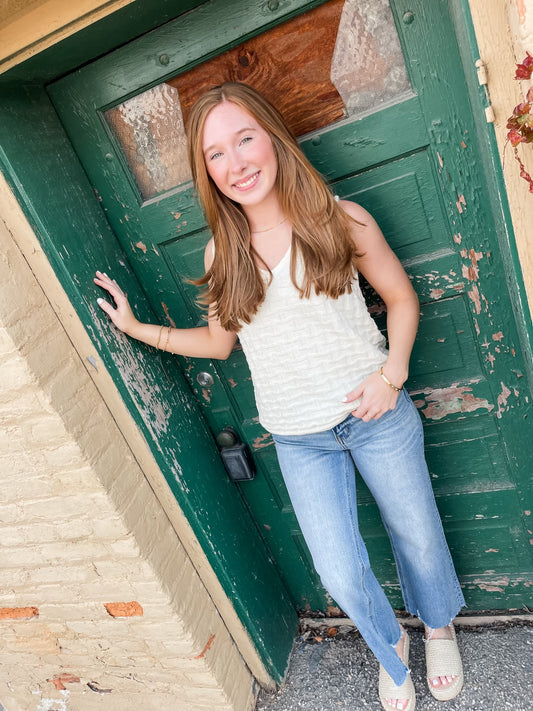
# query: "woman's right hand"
[122,316]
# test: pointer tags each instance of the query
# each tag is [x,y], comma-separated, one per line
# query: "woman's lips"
[247,183]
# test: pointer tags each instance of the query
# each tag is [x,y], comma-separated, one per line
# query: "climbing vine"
[520,123]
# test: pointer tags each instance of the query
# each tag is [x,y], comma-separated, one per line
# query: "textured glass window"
[149,128]
[336,61]
[368,68]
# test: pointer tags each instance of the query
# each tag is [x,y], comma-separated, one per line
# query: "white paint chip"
[93,361]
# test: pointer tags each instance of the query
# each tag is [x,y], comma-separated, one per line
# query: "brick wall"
[81,530]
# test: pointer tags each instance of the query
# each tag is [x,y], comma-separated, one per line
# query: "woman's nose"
[237,162]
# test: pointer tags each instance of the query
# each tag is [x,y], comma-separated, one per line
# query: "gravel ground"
[340,673]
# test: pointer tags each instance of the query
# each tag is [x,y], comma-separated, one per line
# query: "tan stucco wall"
[29,27]
[81,525]
[504,31]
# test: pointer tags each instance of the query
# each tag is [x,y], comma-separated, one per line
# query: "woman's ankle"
[446,632]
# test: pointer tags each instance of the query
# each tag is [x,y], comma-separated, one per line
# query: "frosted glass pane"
[368,68]
[150,130]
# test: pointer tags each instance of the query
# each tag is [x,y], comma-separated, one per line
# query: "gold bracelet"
[398,390]
[159,336]
[168,338]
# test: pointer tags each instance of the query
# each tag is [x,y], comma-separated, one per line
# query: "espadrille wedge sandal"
[389,690]
[443,659]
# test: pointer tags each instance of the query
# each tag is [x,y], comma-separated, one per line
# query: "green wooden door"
[409,155]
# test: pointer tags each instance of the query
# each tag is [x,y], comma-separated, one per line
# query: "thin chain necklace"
[256,232]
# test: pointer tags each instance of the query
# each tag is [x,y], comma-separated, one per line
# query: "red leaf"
[522,108]
[515,137]
[525,68]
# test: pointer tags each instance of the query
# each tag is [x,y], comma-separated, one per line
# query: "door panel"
[407,159]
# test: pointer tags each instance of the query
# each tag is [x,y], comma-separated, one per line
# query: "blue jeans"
[318,470]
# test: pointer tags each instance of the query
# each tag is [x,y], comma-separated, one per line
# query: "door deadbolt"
[236,455]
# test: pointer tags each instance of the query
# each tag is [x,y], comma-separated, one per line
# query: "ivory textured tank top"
[305,355]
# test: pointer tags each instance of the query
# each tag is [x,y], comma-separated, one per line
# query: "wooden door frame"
[250,594]
[494,176]
[28,117]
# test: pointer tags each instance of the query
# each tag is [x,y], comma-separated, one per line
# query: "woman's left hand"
[377,398]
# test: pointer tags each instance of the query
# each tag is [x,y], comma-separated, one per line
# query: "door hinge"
[483,79]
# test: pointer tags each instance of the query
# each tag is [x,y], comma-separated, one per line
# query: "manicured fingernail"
[104,274]
[345,399]
[99,301]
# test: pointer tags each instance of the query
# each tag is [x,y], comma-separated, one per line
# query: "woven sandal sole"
[389,690]
[444,659]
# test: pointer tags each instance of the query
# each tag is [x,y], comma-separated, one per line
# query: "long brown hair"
[321,230]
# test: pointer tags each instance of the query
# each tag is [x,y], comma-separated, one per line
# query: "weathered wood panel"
[289,64]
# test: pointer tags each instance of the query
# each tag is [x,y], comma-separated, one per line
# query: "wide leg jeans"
[319,473]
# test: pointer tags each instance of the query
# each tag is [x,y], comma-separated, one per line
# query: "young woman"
[282,274]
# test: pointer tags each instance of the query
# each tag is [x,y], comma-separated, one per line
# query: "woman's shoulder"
[356,211]
[209,253]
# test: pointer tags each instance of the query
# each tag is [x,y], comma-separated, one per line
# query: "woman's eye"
[245,139]
[214,156]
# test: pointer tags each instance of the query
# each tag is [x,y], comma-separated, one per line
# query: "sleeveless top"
[305,355]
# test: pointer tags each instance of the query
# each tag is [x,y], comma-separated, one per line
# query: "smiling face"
[239,155]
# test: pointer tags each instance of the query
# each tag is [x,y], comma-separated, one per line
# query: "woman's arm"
[383,271]
[211,341]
